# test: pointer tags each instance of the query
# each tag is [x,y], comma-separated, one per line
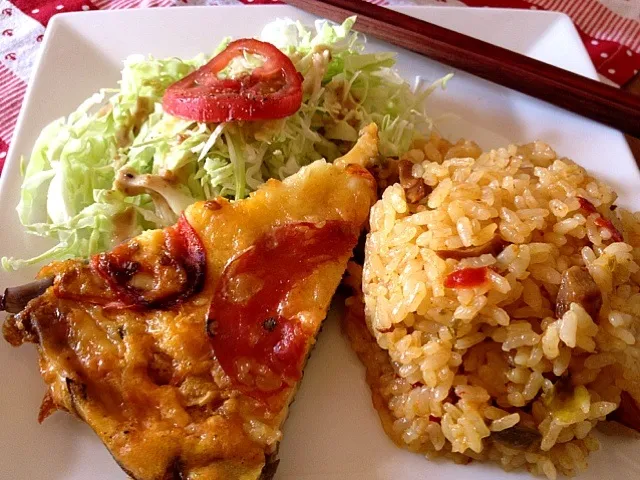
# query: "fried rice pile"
[502,306]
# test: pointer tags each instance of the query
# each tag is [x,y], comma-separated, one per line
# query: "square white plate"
[333,431]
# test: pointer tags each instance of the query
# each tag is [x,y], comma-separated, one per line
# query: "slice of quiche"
[182,348]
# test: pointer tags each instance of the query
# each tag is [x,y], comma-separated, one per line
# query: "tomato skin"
[605,223]
[601,221]
[183,256]
[466,278]
[245,320]
[586,205]
[271,91]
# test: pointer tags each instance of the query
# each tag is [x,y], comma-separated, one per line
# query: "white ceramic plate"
[333,431]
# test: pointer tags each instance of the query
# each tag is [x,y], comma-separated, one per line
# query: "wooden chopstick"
[570,91]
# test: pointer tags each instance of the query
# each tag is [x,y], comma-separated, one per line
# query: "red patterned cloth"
[610,30]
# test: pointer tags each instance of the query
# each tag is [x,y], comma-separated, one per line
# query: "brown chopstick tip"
[570,91]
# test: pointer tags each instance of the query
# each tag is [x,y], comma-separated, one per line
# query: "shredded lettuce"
[119,164]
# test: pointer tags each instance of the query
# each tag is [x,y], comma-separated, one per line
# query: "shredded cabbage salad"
[76,188]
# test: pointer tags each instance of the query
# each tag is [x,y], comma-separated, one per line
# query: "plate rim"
[13,164]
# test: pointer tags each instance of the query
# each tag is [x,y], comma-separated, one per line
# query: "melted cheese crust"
[146,380]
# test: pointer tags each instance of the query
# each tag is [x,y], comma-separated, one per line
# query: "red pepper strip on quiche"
[182,348]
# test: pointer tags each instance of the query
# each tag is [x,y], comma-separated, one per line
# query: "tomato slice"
[273,90]
[260,349]
[168,273]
